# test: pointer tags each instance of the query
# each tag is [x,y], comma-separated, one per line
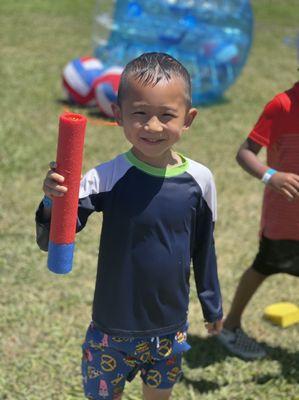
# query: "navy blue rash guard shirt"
[155,221]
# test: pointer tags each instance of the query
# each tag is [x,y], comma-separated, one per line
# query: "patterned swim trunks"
[109,361]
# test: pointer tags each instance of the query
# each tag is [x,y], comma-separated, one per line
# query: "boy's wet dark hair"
[150,68]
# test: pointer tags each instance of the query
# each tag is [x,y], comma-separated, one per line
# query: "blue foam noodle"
[60,257]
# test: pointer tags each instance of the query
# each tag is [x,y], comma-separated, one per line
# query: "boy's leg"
[104,374]
[159,376]
[156,394]
[232,336]
[248,285]
[105,369]
[274,256]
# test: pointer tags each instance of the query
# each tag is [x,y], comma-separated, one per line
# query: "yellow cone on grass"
[283,314]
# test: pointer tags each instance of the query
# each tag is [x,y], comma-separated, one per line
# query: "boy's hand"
[285,183]
[52,183]
[214,328]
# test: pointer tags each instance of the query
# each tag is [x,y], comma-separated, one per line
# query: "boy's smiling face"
[154,118]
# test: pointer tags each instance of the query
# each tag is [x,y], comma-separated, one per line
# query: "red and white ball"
[78,78]
[106,89]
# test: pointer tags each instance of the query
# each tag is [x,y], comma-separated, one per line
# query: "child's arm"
[205,262]
[214,328]
[283,182]
[52,187]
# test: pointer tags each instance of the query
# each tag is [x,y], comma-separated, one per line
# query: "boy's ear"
[117,113]
[191,114]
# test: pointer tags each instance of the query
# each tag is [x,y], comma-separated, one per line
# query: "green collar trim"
[162,172]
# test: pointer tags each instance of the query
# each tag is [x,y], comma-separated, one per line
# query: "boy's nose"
[153,125]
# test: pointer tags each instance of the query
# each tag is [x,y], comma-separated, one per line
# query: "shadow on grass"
[202,386]
[206,352]
[90,111]
[289,362]
[69,103]
[95,113]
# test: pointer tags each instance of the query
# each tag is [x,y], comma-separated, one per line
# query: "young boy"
[278,130]
[159,209]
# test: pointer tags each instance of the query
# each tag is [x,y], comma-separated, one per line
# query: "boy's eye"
[170,115]
[139,113]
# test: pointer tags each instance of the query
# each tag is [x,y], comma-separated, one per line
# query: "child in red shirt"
[278,130]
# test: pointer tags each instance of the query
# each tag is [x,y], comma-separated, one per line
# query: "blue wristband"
[47,202]
[268,175]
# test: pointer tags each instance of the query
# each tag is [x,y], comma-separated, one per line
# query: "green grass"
[43,317]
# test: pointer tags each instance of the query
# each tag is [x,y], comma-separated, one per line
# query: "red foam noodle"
[69,164]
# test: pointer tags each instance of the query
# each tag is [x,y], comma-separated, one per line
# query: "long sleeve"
[87,204]
[42,229]
[204,259]
[90,197]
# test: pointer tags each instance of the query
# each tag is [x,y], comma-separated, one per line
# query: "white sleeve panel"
[103,177]
[204,178]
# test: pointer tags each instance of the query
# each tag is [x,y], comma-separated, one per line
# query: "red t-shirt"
[278,130]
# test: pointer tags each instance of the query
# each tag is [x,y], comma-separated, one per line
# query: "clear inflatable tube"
[212,38]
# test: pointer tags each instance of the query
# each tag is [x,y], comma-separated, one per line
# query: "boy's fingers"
[52,185]
[52,192]
[56,188]
[218,326]
[51,175]
[287,194]
[292,187]
[214,328]
[295,187]
[296,177]
[292,190]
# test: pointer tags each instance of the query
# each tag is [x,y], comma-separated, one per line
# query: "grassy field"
[43,317]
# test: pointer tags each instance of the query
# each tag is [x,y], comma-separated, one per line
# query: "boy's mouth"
[152,139]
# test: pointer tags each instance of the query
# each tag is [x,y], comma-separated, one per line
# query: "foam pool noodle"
[64,211]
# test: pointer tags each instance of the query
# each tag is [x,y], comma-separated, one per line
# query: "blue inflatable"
[211,38]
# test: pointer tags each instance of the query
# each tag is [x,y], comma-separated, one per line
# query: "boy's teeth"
[152,140]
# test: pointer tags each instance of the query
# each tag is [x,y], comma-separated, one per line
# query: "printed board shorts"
[109,361]
[277,256]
